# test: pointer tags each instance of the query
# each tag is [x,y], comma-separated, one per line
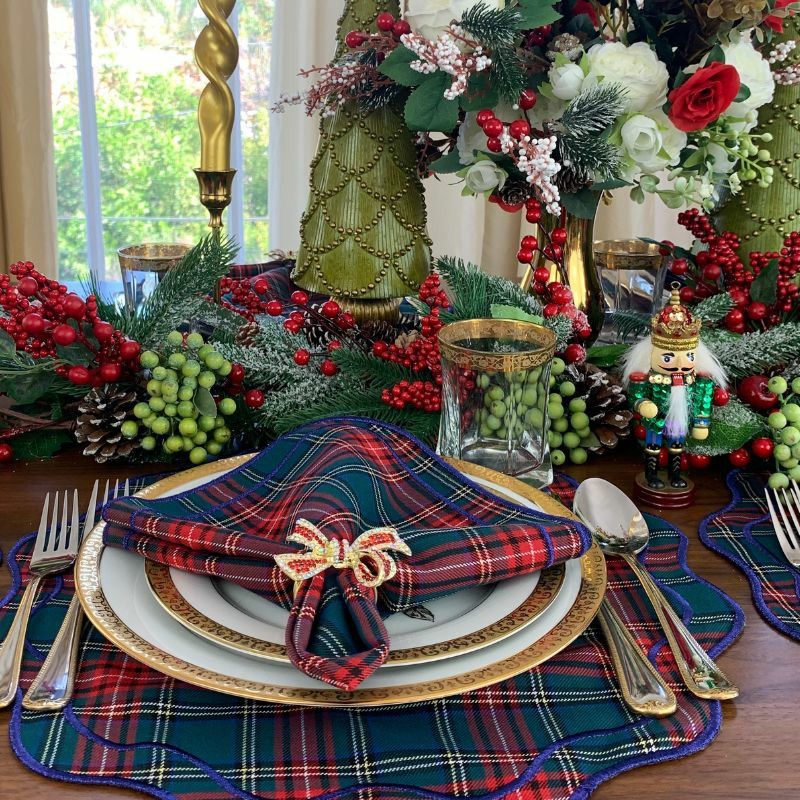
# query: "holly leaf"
[582,204]
[764,289]
[204,402]
[75,354]
[29,387]
[606,355]
[427,109]
[448,164]
[609,184]
[481,93]
[397,66]
[7,345]
[535,13]
[39,444]
[512,312]
[743,94]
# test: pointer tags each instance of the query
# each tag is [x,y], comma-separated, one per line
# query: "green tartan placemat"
[552,733]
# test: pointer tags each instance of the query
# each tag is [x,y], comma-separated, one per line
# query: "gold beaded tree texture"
[363,234]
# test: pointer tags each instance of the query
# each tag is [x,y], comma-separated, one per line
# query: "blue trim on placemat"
[756,584]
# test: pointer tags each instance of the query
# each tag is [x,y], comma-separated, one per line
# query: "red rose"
[585,7]
[704,97]
[774,22]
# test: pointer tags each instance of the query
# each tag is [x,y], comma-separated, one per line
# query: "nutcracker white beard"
[676,424]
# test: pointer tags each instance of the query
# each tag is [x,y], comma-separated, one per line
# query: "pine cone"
[514,192]
[570,181]
[379,331]
[606,404]
[247,334]
[101,414]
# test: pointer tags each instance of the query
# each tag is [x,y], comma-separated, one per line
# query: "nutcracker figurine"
[671,376]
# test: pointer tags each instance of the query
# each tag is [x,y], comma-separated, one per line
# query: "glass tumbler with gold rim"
[143,266]
[495,385]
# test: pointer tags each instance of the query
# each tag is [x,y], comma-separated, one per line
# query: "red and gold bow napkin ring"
[366,556]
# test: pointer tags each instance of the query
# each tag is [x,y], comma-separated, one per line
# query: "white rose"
[651,143]
[566,81]
[755,73]
[484,176]
[431,17]
[635,68]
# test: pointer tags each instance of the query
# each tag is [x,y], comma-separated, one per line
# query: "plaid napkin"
[344,478]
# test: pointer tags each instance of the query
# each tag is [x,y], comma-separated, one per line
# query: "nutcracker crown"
[675,328]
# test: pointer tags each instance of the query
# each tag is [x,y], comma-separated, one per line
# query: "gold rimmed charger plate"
[575,621]
[175,604]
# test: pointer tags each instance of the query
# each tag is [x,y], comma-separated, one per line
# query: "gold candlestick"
[216,53]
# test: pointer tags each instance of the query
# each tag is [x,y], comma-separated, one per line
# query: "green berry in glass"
[567,388]
[558,366]
[571,440]
[561,425]
[578,456]
[579,420]
[206,380]
[558,458]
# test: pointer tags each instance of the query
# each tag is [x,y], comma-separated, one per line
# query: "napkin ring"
[366,556]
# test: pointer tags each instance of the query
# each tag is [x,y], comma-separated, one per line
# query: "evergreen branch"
[754,353]
[590,155]
[732,426]
[359,401]
[376,372]
[507,73]
[631,324]
[492,27]
[593,111]
[713,308]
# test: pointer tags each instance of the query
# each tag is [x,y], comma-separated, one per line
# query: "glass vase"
[632,274]
[495,386]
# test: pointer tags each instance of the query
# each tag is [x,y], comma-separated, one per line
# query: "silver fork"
[53,686]
[788,534]
[55,550]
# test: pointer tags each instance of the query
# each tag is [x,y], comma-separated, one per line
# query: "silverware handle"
[643,689]
[698,670]
[53,685]
[13,645]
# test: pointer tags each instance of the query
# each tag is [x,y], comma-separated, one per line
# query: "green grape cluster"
[514,403]
[569,434]
[785,428]
[181,414]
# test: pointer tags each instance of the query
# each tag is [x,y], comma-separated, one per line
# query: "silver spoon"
[620,530]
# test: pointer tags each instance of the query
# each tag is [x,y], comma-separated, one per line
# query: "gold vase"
[579,269]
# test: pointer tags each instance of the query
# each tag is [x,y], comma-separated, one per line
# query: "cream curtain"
[468,227]
[27,177]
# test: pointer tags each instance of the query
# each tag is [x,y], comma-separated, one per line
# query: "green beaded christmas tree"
[363,234]
[763,217]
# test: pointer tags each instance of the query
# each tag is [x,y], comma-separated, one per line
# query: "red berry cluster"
[539,37]
[719,267]
[494,127]
[386,23]
[247,297]
[421,355]
[43,315]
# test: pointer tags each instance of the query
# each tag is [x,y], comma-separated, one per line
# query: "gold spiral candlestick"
[216,53]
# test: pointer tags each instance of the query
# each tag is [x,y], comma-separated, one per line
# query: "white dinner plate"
[114,591]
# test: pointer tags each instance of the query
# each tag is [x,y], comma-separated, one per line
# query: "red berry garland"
[41,316]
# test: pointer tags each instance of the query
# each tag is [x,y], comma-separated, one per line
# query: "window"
[125,90]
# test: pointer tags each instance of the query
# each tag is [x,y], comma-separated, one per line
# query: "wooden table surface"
[755,756]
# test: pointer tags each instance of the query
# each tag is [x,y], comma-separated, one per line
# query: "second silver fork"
[53,686]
